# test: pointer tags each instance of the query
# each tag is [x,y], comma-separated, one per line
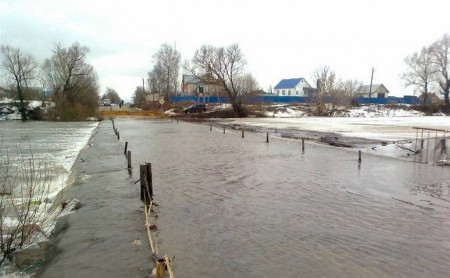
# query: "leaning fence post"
[129,159]
[126,146]
[118,135]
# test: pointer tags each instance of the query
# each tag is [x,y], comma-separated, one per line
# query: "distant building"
[292,87]
[378,91]
[432,98]
[191,83]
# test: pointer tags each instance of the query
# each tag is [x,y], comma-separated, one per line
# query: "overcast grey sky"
[280,39]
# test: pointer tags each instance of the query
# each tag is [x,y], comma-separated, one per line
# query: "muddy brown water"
[227,206]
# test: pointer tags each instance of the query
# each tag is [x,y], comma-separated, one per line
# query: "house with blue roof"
[292,87]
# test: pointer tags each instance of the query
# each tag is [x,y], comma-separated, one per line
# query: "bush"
[65,110]
[430,109]
[24,187]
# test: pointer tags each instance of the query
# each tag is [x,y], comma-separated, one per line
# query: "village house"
[292,87]
[192,84]
[377,91]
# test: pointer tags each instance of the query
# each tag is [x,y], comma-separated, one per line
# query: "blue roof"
[288,83]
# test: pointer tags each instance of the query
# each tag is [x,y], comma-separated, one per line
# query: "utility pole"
[371,79]
[168,81]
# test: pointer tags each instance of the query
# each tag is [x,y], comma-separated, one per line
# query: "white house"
[377,91]
[292,87]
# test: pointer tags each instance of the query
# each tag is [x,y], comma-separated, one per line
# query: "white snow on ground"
[382,111]
[285,113]
[223,106]
[171,113]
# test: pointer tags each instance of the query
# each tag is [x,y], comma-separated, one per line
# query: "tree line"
[225,68]
[66,74]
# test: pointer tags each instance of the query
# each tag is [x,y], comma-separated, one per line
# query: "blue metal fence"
[294,99]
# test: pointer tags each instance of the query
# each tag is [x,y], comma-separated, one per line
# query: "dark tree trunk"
[446,97]
[23,110]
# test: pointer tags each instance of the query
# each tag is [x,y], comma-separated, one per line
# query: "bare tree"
[325,81]
[67,72]
[332,93]
[247,85]
[21,68]
[112,95]
[440,51]
[24,187]
[421,71]
[166,70]
[138,96]
[222,67]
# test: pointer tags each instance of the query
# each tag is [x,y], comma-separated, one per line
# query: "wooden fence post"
[126,146]
[145,174]
[303,144]
[359,156]
[243,129]
[129,159]
[160,268]
[267,137]
[143,177]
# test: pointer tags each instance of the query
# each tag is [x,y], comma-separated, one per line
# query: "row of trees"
[429,69]
[224,67]
[72,81]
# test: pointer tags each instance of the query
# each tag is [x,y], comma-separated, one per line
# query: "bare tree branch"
[21,68]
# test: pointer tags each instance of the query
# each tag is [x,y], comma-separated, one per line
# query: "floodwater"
[227,206]
[51,145]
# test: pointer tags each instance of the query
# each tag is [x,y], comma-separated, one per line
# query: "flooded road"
[228,206]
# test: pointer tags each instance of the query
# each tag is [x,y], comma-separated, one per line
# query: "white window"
[282,92]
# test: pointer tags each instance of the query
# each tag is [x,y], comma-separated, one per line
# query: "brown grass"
[153,114]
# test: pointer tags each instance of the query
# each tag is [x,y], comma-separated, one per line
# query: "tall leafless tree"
[221,66]
[440,51]
[166,70]
[421,72]
[21,68]
[67,71]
